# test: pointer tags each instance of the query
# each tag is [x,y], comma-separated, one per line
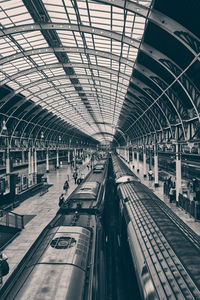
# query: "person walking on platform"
[66,186]
[75,175]
[61,199]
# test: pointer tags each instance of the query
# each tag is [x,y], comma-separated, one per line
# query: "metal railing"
[11,219]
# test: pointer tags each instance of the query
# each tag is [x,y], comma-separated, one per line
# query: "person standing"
[150,174]
[75,175]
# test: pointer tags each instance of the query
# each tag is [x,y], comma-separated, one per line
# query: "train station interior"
[100,119]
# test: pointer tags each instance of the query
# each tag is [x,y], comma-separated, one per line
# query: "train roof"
[122,173]
[87,191]
[61,267]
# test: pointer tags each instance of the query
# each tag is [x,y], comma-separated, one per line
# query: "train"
[159,241]
[67,261]
[90,193]
[123,176]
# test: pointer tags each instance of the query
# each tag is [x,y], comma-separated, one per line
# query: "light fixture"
[4,125]
[42,135]
[59,138]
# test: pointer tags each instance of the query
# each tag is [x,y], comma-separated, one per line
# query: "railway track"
[181,225]
[172,257]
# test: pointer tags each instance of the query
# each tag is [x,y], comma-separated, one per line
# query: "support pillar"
[144,162]
[47,162]
[7,161]
[29,161]
[178,171]
[68,156]
[137,164]
[156,184]
[150,158]
[35,160]
[32,161]
[133,158]
[57,159]
[74,154]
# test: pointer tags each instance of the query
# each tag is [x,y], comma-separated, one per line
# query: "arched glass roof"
[100,70]
[74,58]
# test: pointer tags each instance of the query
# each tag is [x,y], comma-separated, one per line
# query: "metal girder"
[189,39]
[161,84]
[27,111]
[179,32]
[62,49]
[128,5]
[148,91]
[50,79]
[73,93]
[70,93]
[138,96]
[116,128]
[173,27]
[43,114]
[53,124]
[14,107]
[52,120]
[191,89]
[61,65]
[148,122]
[139,108]
[142,127]
[70,27]
[159,58]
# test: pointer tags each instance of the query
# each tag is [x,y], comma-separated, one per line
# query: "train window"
[63,242]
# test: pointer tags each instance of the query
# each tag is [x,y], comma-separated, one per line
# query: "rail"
[11,219]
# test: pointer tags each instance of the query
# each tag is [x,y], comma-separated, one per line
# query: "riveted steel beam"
[137,95]
[133,116]
[61,65]
[46,50]
[161,85]
[159,57]
[70,27]
[178,31]
[169,86]
[157,114]
[144,125]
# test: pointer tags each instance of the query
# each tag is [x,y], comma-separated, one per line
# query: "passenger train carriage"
[67,259]
[159,242]
[122,172]
[89,195]
[65,262]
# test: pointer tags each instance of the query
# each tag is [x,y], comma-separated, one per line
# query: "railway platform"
[38,211]
[159,191]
